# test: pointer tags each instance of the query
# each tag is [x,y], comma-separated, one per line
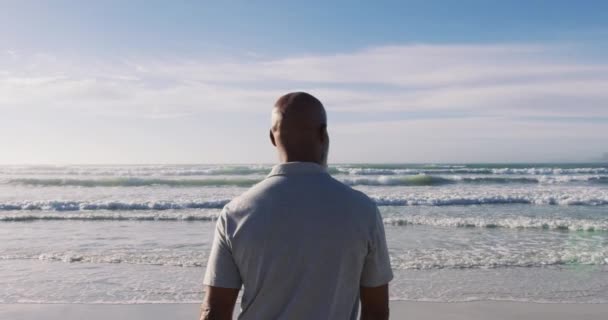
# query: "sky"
[116,82]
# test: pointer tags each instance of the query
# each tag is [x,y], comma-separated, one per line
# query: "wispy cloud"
[472,98]
[488,79]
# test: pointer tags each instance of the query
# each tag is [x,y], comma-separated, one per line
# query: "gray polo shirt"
[301,244]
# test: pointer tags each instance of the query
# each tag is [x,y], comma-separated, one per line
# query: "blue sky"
[403,81]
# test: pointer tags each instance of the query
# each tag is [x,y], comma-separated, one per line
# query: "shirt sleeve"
[377,267]
[222,270]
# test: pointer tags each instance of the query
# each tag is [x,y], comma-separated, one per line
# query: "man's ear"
[323,132]
[274,143]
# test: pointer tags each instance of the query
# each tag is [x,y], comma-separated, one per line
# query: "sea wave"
[430,180]
[464,170]
[415,259]
[565,224]
[415,180]
[562,224]
[600,179]
[108,216]
[240,170]
[136,171]
[159,258]
[531,199]
[415,200]
[411,180]
[61,205]
[443,258]
[135,182]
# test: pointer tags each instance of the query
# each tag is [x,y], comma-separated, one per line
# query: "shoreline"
[399,310]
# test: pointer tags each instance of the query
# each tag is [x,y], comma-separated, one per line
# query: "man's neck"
[301,159]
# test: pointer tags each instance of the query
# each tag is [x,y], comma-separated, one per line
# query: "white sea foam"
[111,216]
[138,243]
[409,180]
[414,180]
[135,182]
[134,171]
[60,205]
[188,215]
[533,199]
[571,224]
[564,224]
[414,259]
[191,259]
[442,258]
[464,170]
[205,170]
[415,199]
[542,179]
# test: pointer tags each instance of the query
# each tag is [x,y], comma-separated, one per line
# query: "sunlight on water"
[141,234]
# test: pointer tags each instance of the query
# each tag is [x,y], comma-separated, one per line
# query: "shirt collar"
[292,168]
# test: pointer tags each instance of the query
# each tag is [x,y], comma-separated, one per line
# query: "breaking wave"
[421,200]
[563,224]
[60,205]
[190,259]
[136,182]
[568,224]
[411,180]
[212,170]
[442,258]
[465,170]
[416,180]
[136,171]
[416,259]
[562,200]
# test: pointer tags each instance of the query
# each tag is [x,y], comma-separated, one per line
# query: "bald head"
[299,128]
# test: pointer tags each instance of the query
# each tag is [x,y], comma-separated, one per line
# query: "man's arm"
[376,275]
[374,303]
[219,303]
[222,277]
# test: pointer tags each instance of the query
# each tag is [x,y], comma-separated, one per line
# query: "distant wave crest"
[159,205]
[60,205]
[411,180]
[136,171]
[441,258]
[543,223]
[493,199]
[415,259]
[465,170]
[240,170]
[135,182]
[569,224]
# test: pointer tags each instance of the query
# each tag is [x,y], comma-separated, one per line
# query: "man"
[302,244]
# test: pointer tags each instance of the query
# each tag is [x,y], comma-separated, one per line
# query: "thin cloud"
[490,80]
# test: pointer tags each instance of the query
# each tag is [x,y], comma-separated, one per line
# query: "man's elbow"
[210,313]
[376,314]
[205,313]
[218,303]
[374,303]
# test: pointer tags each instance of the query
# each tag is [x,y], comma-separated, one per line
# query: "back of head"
[299,128]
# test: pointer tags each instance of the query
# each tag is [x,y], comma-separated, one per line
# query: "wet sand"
[399,310]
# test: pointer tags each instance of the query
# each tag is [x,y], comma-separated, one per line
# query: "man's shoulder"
[253,196]
[267,189]
[351,192]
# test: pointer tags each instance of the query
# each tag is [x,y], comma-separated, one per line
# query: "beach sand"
[399,310]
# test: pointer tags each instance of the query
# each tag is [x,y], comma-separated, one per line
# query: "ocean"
[126,234]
